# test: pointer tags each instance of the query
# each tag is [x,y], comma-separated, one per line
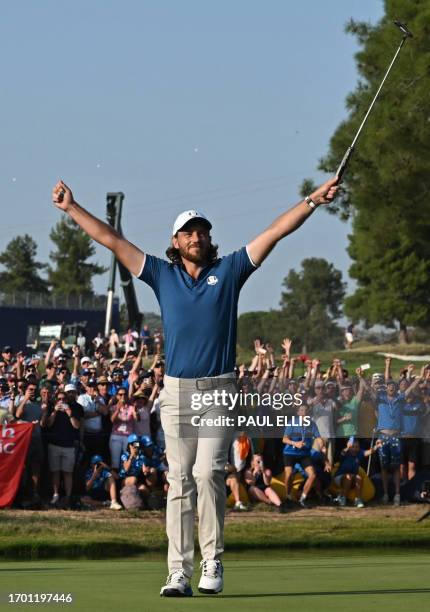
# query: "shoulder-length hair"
[175,258]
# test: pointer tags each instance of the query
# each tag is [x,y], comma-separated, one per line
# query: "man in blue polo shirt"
[390,404]
[198,294]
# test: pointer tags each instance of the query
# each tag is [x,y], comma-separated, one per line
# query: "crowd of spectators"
[97,437]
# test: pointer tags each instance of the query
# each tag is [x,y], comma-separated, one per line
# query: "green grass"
[44,536]
[305,582]
[354,358]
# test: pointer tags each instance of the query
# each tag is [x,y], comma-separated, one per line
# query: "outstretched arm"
[126,252]
[289,221]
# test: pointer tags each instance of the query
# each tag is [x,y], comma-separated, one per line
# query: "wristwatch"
[309,201]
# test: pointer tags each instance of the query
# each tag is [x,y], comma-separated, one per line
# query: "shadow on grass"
[329,593]
[14,570]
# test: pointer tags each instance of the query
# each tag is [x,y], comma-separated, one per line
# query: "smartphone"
[365,366]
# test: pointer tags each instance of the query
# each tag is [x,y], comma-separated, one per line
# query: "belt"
[204,384]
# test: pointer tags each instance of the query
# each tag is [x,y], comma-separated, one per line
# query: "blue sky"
[221,106]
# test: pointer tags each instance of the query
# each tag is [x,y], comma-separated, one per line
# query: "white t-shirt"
[323,416]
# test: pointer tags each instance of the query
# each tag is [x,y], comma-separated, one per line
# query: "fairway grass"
[306,581]
[101,535]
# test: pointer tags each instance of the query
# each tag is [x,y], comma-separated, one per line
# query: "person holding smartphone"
[63,424]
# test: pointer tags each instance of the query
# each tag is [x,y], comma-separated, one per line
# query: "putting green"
[301,581]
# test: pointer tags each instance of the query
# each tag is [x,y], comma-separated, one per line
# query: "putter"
[343,164]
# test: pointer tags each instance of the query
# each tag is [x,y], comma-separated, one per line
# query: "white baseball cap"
[70,387]
[85,360]
[188,215]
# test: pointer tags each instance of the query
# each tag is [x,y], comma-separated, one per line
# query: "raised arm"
[289,221]
[126,252]
[387,371]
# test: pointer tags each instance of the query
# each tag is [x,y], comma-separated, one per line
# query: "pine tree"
[388,181]
[72,273]
[21,268]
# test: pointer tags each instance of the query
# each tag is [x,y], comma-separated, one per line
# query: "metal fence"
[46,300]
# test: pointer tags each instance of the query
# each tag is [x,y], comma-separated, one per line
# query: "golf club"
[371,446]
[343,164]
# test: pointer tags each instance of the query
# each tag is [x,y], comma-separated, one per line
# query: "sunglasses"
[119,394]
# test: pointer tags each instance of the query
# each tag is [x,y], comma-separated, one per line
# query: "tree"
[22,269]
[309,309]
[73,273]
[388,181]
[312,302]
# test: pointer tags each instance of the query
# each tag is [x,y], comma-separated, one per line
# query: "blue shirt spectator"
[304,433]
[389,411]
[412,413]
[350,463]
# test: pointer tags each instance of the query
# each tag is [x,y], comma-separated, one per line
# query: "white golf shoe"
[177,585]
[211,581]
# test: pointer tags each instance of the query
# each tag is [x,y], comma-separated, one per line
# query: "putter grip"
[343,164]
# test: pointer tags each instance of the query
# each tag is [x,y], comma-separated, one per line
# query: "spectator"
[7,358]
[347,475]
[258,480]
[131,462]
[143,402]
[232,485]
[145,335]
[323,414]
[63,425]
[153,469]
[347,417]
[412,412]
[298,440]
[113,343]
[28,409]
[81,342]
[104,397]
[97,342]
[118,382]
[130,340]
[100,483]
[123,417]
[6,409]
[389,405]
[349,336]
[93,411]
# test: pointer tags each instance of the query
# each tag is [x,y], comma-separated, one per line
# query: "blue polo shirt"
[199,315]
[297,433]
[390,411]
[412,413]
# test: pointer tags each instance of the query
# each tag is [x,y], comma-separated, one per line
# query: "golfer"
[198,294]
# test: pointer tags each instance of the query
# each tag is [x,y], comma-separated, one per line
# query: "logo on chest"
[212,280]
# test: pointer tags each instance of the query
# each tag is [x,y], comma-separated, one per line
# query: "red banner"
[14,442]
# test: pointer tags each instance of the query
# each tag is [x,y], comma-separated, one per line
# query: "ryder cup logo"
[212,280]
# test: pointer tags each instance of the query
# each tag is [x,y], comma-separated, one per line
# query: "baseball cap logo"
[212,280]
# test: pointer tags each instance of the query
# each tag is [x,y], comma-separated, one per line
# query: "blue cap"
[96,459]
[146,441]
[132,438]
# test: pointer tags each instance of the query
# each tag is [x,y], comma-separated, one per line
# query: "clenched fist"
[326,192]
[62,196]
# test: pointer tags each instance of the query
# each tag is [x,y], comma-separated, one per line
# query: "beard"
[196,256]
